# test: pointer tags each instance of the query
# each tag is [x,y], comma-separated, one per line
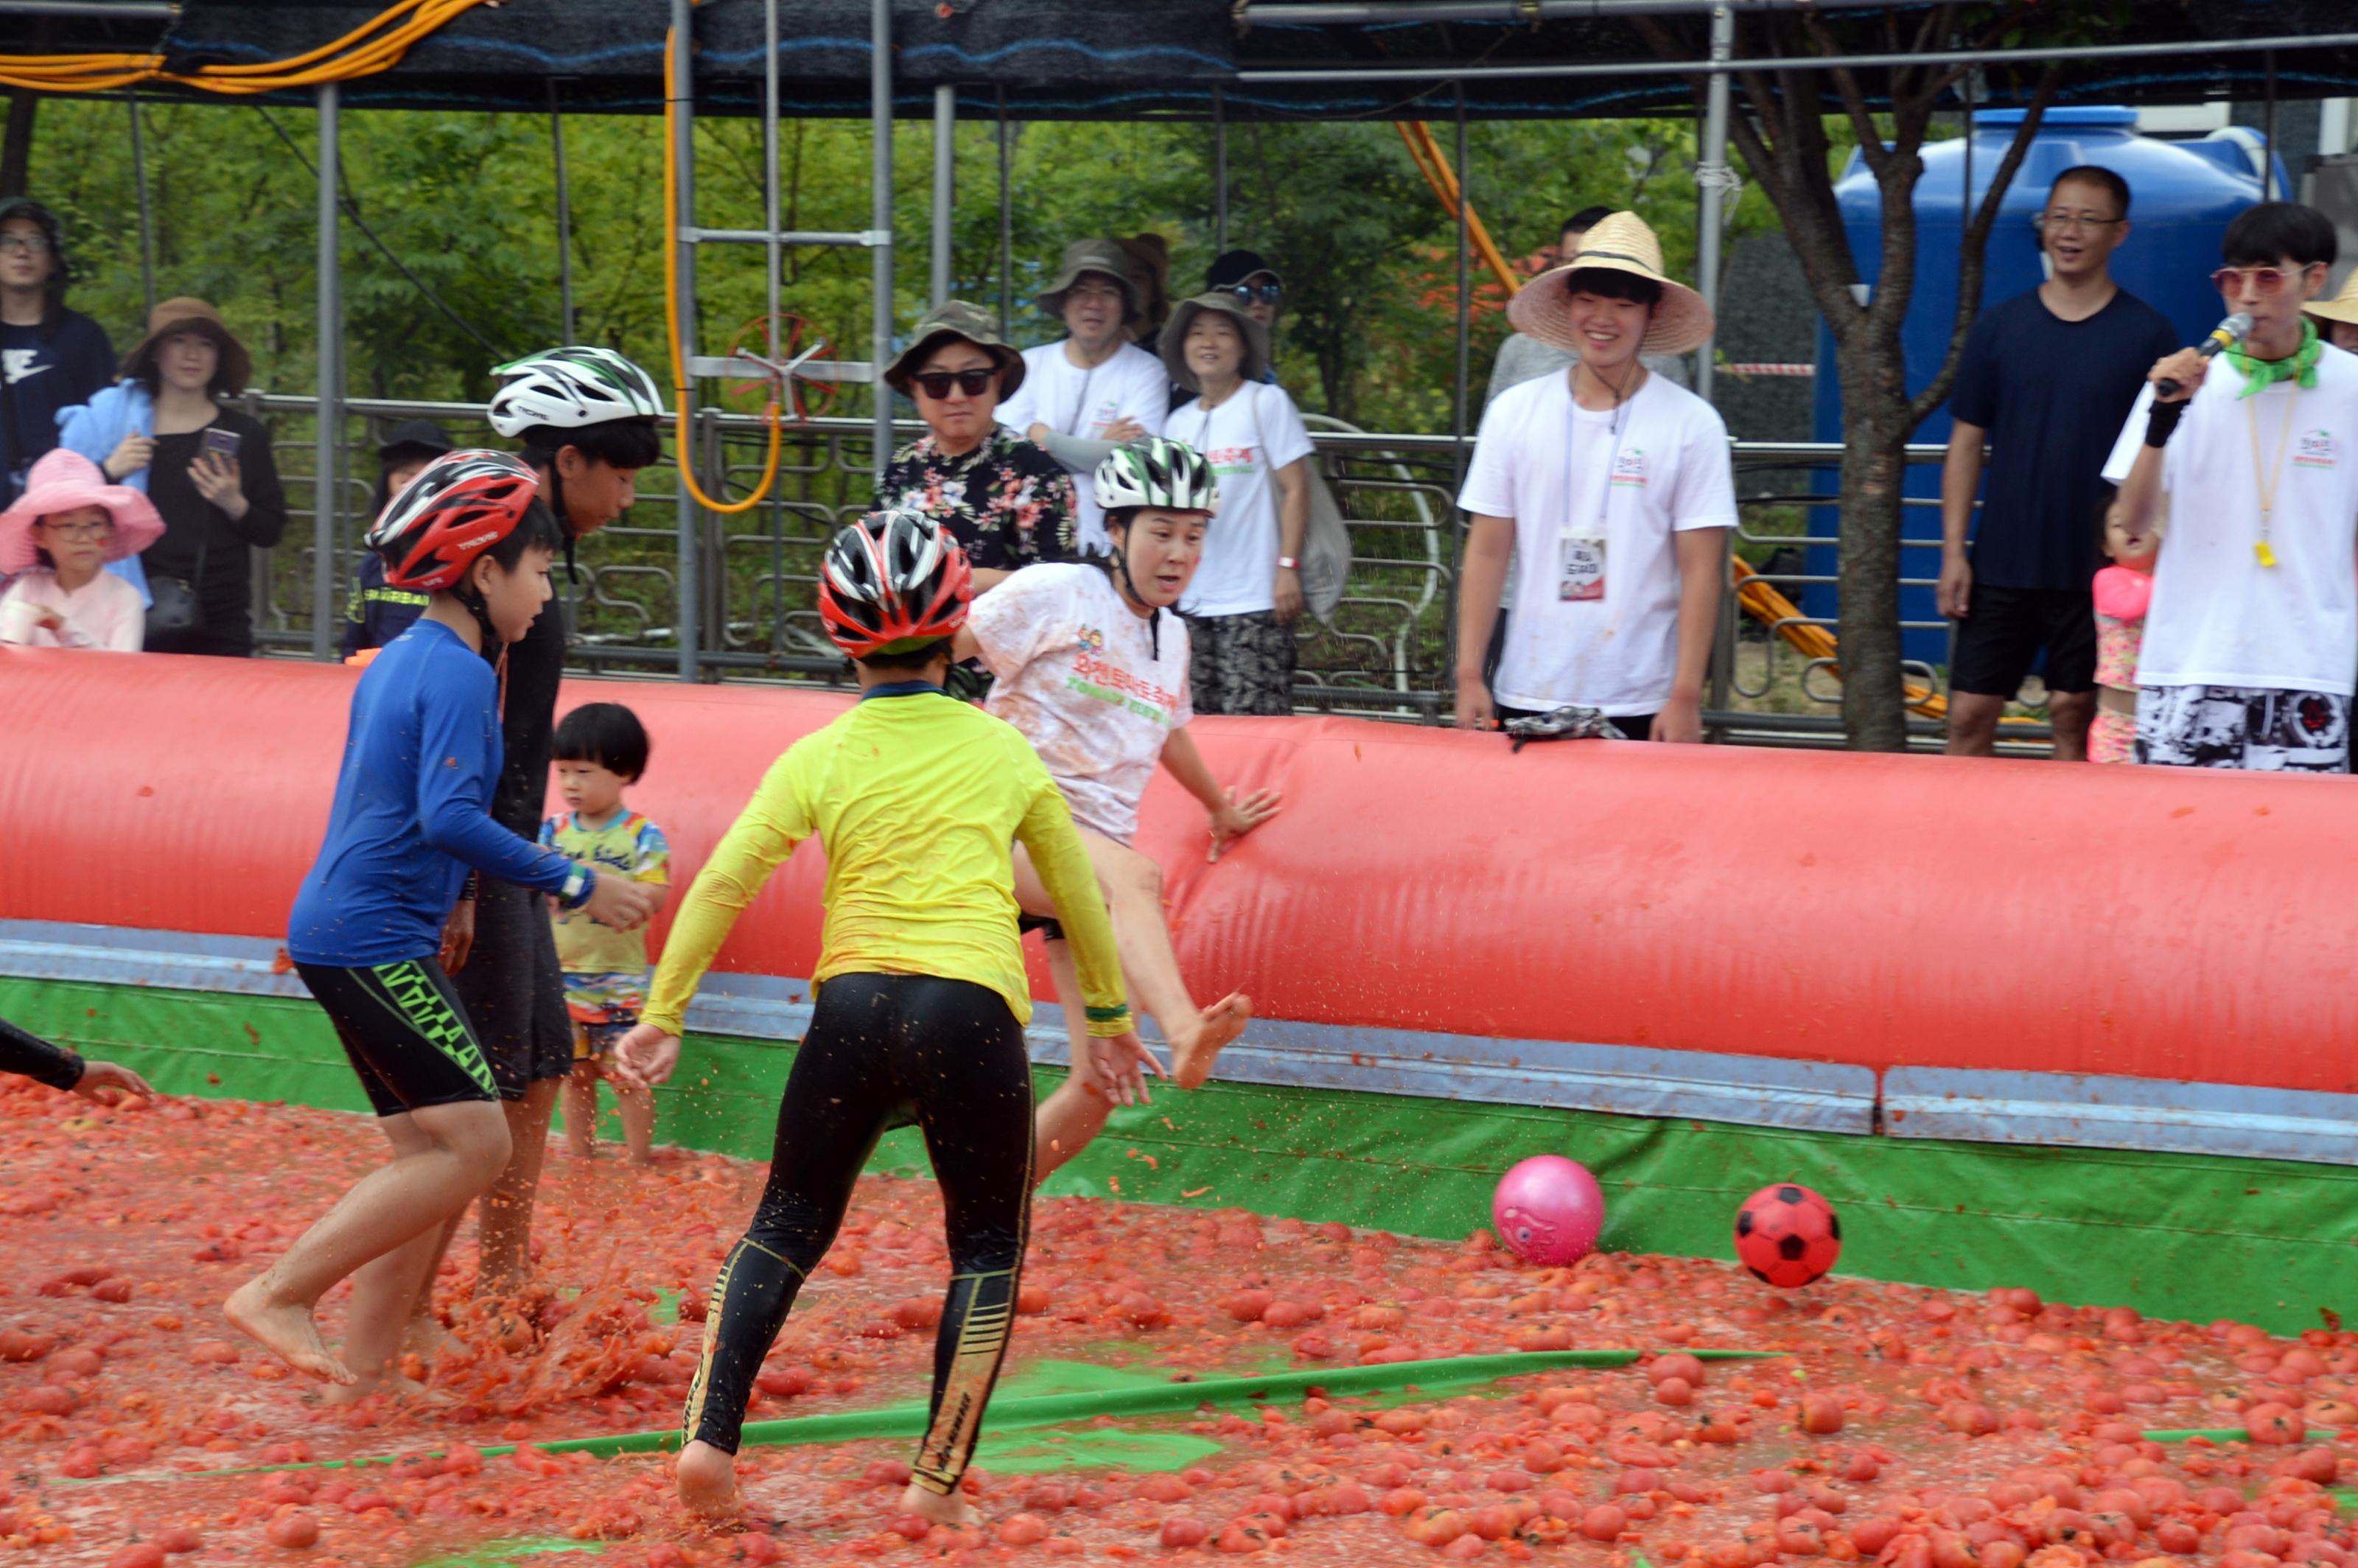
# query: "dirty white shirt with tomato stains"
[1094,687]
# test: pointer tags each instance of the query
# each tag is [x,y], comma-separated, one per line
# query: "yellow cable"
[671,321]
[375,46]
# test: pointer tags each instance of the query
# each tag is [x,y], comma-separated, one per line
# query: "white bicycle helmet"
[569,388]
[1159,472]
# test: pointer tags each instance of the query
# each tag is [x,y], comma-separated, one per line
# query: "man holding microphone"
[2252,461]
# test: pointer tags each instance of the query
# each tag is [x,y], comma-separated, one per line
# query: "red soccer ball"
[1787,1235]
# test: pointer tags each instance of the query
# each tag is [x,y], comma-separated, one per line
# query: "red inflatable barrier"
[1878,911]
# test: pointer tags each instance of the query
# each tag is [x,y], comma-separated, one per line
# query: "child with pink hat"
[66,526]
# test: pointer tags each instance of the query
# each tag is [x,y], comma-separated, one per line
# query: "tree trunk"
[17,142]
[1873,475]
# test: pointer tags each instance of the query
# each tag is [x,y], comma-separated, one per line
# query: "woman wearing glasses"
[1244,277]
[1007,501]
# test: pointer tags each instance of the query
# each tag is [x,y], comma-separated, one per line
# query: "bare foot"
[927,1504]
[285,1330]
[707,1479]
[398,1386]
[425,1337]
[1191,1061]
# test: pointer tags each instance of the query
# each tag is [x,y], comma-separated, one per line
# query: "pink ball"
[1548,1210]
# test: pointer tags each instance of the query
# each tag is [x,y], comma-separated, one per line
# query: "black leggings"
[884,1051]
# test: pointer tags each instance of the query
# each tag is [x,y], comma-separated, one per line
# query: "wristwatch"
[1289,563]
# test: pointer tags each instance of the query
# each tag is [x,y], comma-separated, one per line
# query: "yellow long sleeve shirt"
[917,798]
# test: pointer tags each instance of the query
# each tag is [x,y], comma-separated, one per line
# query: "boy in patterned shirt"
[601,750]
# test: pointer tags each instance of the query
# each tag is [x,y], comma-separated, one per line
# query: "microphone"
[2225,335]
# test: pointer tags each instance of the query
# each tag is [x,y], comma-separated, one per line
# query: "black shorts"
[407,1033]
[2005,628]
[513,990]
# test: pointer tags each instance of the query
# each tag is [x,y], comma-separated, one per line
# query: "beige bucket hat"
[1622,242]
[1092,255]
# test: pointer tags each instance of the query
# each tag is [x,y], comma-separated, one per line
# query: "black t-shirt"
[2053,395]
[528,721]
[45,373]
[195,529]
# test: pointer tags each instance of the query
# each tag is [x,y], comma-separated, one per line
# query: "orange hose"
[377,45]
[671,321]
[1427,153]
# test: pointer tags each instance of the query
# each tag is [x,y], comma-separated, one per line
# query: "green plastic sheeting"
[1111,1396]
[2187,1236]
[498,1553]
[1056,1453]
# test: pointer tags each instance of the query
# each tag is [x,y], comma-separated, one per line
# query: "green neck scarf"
[2301,369]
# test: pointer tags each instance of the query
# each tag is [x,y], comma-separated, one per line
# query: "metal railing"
[1386,654]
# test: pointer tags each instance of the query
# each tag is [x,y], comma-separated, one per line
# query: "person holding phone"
[207,468]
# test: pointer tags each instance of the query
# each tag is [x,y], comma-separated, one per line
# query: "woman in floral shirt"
[1010,503]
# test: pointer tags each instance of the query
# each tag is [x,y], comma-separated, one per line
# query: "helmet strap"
[1129,587]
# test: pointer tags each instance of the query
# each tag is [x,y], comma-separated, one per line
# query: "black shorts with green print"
[405,1031]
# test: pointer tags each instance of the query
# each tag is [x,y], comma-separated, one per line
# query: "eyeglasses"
[97,530]
[2066,223]
[31,244]
[1094,291]
[973,382]
[1246,293]
[2265,280]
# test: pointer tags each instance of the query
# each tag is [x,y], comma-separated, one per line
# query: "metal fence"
[1387,653]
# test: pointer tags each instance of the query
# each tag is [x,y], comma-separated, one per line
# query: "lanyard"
[1081,404]
[2269,483]
[1612,461]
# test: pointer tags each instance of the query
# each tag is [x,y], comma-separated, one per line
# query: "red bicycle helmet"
[459,505]
[892,582]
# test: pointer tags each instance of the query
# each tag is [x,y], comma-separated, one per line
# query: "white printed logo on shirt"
[17,364]
[2318,449]
[1630,467]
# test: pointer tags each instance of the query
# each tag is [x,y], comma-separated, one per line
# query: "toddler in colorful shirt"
[2123,590]
[601,750]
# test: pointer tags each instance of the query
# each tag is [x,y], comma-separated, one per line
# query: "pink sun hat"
[67,481]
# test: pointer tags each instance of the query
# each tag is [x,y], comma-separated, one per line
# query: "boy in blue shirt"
[411,815]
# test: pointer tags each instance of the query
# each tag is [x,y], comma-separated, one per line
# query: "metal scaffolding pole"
[1006,222]
[1713,175]
[945,188]
[564,218]
[879,218]
[688,580]
[1220,170]
[330,423]
[773,204]
[1457,409]
[146,216]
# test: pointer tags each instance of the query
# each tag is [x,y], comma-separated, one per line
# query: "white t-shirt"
[104,613]
[2217,616]
[1248,438]
[1058,394]
[1086,681]
[1590,626]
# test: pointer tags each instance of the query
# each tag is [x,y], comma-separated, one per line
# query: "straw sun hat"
[1620,243]
[2343,307]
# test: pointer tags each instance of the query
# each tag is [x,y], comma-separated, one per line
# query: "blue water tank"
[2181,196]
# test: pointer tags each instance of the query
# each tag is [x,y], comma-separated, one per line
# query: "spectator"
[1149,273]
[1006,501]
[2046,378]
[377,612]
[208,468]
[2122,593]
[1246,596]
[1523,358]
[61,533]
[2337,318]
[2252,635]
[51,358]
[1244,277]
[602,751]
[1095,386]
[1620,526]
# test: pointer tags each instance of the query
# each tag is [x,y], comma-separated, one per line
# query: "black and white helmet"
[1159,472]
[570,388]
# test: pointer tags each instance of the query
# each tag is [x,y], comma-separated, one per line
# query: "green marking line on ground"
[497,1554]
[2205,1433]
[1155,1398]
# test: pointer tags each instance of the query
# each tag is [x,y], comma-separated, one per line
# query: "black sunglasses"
[973,382]
[1246,293]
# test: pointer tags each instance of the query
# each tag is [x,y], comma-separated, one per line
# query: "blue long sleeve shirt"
[412,809]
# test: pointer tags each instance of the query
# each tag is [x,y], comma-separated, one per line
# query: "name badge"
[1580,572]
